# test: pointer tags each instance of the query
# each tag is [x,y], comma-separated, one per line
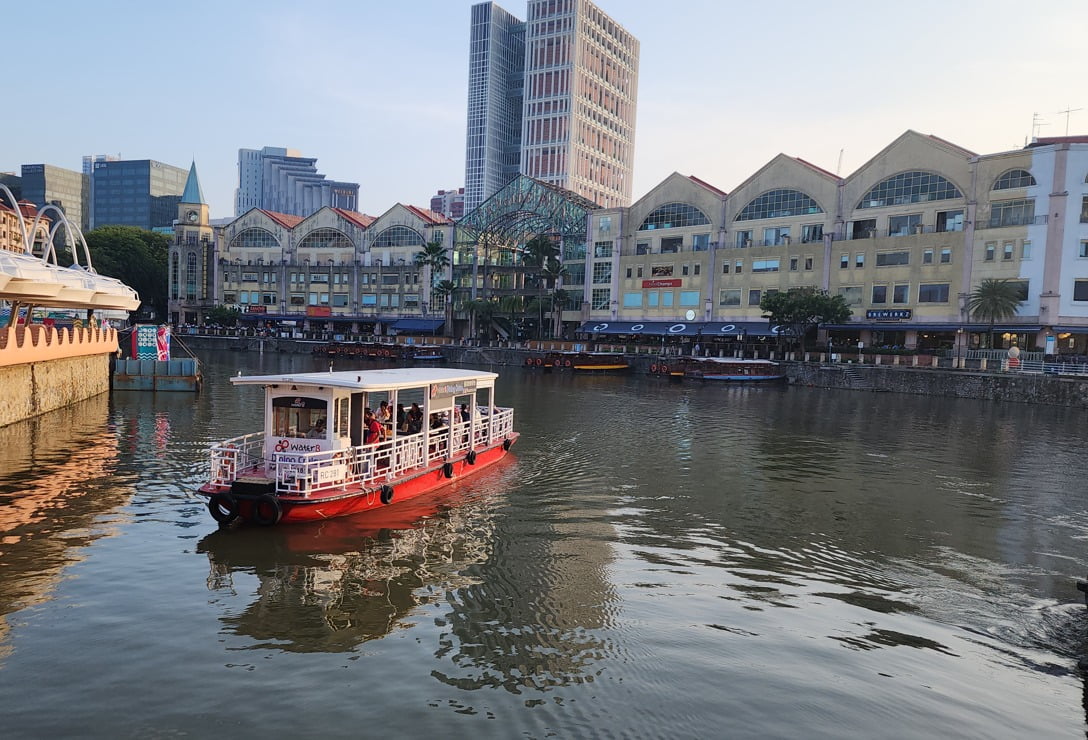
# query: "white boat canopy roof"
[371,380]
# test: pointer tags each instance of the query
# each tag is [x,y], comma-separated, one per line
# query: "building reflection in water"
[333,585]
[55,487]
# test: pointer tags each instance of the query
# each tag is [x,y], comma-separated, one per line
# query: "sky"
[377,91]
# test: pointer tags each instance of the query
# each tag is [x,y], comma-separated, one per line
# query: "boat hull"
[243,506]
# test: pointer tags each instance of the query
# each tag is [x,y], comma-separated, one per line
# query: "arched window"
[398,236]
[326,239]
[174,261]
[254,238]
[674,216]
[1014,179]
[909,187]
[191,276]
[779,204]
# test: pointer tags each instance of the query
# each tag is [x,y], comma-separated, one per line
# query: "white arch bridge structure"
[29,280]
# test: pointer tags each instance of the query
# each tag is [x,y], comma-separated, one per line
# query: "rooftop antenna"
[1036,123]
[1067,113]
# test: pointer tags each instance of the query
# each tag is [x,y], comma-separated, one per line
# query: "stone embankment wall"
[992,386]
[35,388]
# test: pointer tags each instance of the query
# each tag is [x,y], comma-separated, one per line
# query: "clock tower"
[192,258]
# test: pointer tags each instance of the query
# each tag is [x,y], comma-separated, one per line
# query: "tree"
[136,257]
[443,291]
[558,299]
[480,311]
[434,256]
[539,250]
[512,305]
[804,309]
[994,300]
[223,315]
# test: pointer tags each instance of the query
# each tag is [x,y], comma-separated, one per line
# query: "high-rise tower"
[564,112]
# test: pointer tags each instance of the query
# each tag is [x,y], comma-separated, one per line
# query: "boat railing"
[233,456]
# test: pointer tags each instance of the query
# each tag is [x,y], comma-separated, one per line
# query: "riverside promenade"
[929,375]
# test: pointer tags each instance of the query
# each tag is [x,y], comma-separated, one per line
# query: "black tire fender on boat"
[387,494]
[447,469]
[470,458]
[267,510]
[506,444]
[223,507]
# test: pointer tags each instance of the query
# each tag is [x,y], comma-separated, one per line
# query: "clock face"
[192,216]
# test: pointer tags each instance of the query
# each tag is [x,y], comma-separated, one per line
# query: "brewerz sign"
[888,314]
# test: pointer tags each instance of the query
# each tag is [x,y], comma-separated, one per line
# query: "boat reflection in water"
[329,586]
[55,487]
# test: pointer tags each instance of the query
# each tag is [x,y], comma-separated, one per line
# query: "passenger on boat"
[402,418]
[373,428]
[318,431]
[464,413]
[415,419]
[383,412]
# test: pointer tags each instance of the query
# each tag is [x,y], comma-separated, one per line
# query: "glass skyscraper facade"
[553,98]
[282,180]
[136,192]
[44,184]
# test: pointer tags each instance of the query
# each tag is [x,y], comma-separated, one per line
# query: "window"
[674,216]
[340,300]
[599,299]
[666,298]
[398,236]
[254,238]
[387,279]
[808,263]
[230,298]
[1083,253]
[927,256]
[738,267]
[863,229]
[689,298]
[859,259]
[602,273]
[946,255]
[812,233]
[1080,290]
[776,236]
[604,225]
[892,259]
[1006,251]
[653,299]
[684,269]
[671,245]
[880,294]
[904,225]
[632,299]
[642,248]
[1014,179]
[628,273]
[1084,210]
[933,293]
[659,271]
[852,295]
[249,277]
[700,242]
[991,250]
[695,269]
[602,249]
[326,239]
[411,300]
[793,264]
[298,299]
[779,203]
[388,300]
[770,265]
[320,278]
[1021,289]
[844,261]
[729,298]
[753,297]
[950,221]
[743,239]
[909,187]
[725,268]
[638,271]
[901,293]
[1019,212]
[269,299]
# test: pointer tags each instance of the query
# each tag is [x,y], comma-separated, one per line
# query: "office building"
[282,180]
[553,98]
[450,203]
[135,192]
[68,190]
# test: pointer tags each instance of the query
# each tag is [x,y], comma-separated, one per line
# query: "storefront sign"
[888,314]
[319,311]
[675,283]
[449,390]
[256,309]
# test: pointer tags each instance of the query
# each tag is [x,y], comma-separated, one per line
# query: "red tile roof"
[285,220]
[359,219]
[429,216]
[1045,140]
[706,184]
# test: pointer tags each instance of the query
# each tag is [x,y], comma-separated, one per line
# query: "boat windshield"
[299,416]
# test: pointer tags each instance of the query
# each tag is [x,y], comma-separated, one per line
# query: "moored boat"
[580,361]
[731,369]
[319,454]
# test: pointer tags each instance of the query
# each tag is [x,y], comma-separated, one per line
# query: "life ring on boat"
[387,494]
[470,458]
[447,469]
[506,444]
[665,369]
[528,360]
[653,368]
[267,510]
[223,507]
[539,362]
[566,363]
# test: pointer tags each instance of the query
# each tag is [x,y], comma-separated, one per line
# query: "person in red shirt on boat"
[373,428]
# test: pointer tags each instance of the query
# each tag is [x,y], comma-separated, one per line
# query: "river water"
[656,560]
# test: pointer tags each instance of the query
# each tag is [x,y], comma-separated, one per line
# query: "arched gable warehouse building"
[905,239]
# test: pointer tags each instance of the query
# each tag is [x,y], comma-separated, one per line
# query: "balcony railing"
[1002,222]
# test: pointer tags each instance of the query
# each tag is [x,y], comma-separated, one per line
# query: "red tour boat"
[322,455]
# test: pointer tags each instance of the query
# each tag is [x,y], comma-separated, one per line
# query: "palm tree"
[512,305]
[443,291]
[539,250]
[994,300]
[480,310]
[434,256]
[558,300]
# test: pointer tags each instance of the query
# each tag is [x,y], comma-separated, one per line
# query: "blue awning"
[428,325]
